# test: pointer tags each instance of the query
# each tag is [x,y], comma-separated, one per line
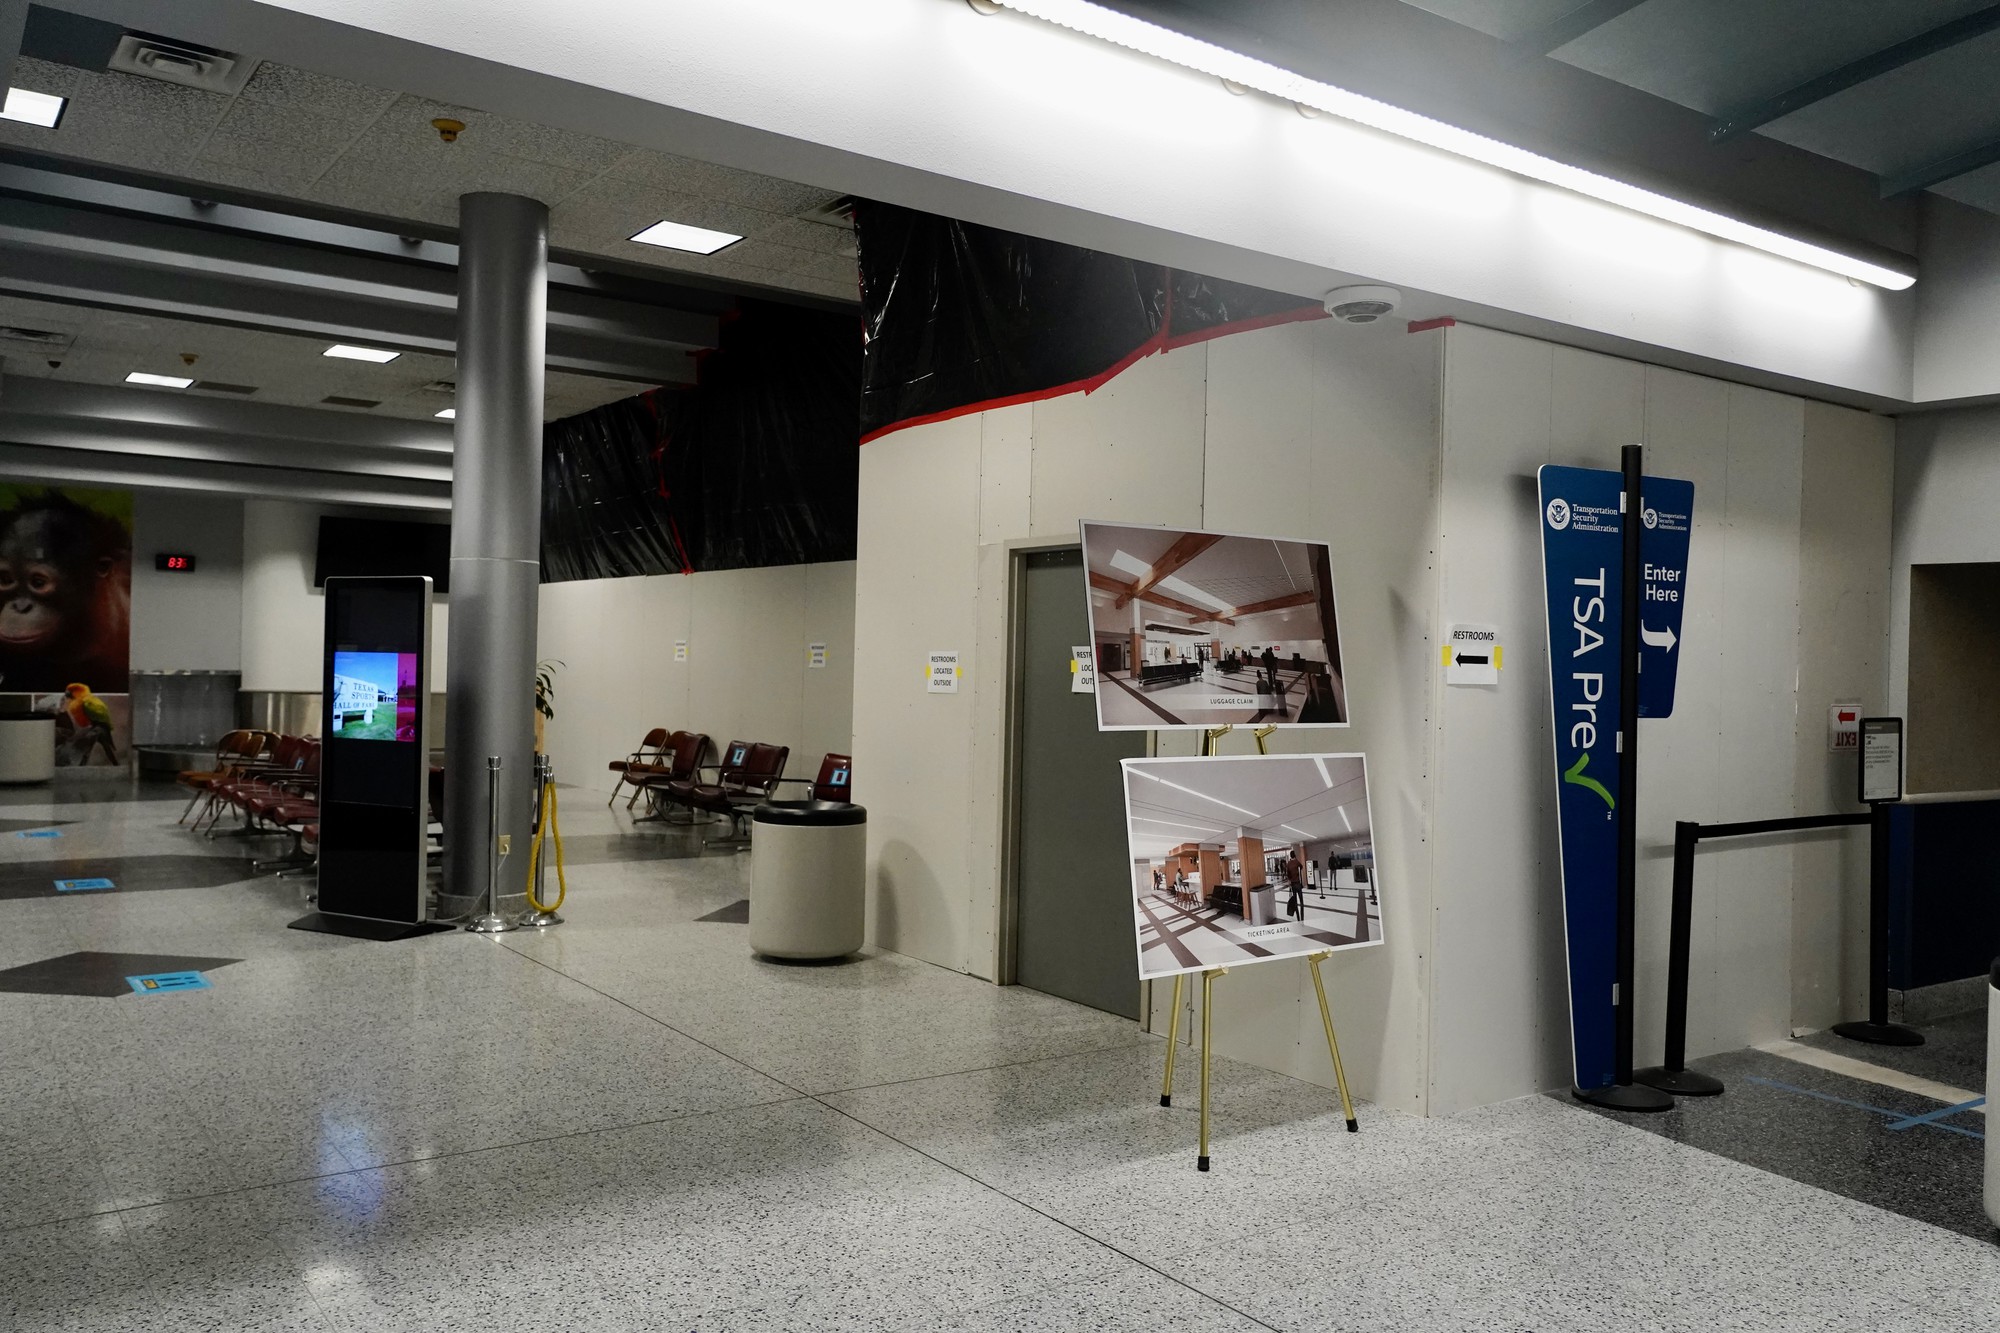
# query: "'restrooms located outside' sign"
[1582,556]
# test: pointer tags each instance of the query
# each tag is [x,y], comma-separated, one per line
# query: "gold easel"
[1214,734]
[1313,960]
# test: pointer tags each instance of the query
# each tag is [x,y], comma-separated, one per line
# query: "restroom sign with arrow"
[1665,511]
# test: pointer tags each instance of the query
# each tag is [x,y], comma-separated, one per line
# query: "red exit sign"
[178,564]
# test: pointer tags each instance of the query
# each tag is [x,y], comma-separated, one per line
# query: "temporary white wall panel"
[1775,479]
[1844,570]
[916,588]
[1314,430]
[187,621]
[745,678]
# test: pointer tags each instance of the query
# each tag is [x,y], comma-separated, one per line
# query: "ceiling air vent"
[339,401]
[36,337]
[185,63]
[211,386]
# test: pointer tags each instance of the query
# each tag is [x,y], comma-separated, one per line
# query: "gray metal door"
[1073,933]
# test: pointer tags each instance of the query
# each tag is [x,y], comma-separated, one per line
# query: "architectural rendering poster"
[65,590]
[1250,857]
[1206,629]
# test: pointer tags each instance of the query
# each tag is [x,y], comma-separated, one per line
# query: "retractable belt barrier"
[1674,1076]
[545,827]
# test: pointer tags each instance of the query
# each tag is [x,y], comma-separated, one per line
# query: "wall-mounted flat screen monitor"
[382,548]
[1210,629]
[375,697]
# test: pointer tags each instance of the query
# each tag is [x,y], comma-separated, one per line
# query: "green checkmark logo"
[1575,774]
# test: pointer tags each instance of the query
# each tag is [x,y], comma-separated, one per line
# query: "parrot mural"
[90,718]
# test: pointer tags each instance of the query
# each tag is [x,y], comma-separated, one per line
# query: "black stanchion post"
[1624,1094]
[1878,1030]
[1674,1076]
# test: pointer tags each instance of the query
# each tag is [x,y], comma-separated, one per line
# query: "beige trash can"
[807,879]
[27,746]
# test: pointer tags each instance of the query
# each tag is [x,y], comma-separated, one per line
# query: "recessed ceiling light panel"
[159,381]
[347,353]
[449,414]
[30,108]
[680,236]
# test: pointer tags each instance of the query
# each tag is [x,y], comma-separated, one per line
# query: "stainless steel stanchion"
[539,916]
[491,922]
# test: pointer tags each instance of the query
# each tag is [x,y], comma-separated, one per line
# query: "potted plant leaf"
[545,697]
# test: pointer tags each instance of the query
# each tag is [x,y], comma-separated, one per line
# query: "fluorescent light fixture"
[1324,776]
[449,414]
[347,353]
[1127,563]
[1174,583]
[680,236]
[158,381]
[1345,820]
[1175,48]
[1175,823]
[1204,795]
[43,109]
[1301,832]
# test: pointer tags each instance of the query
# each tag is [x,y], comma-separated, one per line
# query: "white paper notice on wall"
[1082,670]
[1843,729]
[1471,654]
[941,672]
[816,656]
[680,650]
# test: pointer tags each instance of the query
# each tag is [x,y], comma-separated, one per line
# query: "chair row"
[271,781]
[668,769]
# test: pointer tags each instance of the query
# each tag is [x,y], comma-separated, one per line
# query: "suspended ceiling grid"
[291,133]
[103,346]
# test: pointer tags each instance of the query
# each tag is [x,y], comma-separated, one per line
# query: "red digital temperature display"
[179,564]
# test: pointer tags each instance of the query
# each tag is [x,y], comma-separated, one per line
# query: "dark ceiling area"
[1823,117]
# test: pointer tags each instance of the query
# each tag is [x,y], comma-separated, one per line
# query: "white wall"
[1756,675]
[1415,456]
[1310,430]
[283,614]
[191,621]
[1947,500]
[746,676]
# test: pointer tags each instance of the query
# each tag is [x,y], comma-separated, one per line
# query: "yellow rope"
[549,825]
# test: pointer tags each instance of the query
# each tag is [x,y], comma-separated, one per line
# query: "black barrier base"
[1679,1082]
[1624,1097]
[1880,1034]
[363,927]
[1201,1164]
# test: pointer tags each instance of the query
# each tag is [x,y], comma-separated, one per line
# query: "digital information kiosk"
[374,758]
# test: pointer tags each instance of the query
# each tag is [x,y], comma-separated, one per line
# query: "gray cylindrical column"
[496,511]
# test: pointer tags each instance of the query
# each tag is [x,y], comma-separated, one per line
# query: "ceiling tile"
[277,140]
[120,94]
[317,94]
[42,76]
[820,237]
[665,171]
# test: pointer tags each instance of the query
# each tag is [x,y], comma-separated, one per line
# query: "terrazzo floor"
[628,1123]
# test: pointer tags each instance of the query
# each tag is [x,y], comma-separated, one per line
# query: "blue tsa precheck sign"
[1582,558]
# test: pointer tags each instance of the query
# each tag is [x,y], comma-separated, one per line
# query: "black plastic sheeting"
[962,317]
[754,465]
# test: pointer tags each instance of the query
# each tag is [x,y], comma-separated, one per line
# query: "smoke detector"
[1361,305]
[185,63]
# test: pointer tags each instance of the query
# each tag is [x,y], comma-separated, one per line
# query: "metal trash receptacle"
[1992,1089]
[808,887]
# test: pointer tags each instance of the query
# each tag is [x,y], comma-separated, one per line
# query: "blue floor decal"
[155,982]
[1932,1119]
[79,885]
[39,833]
